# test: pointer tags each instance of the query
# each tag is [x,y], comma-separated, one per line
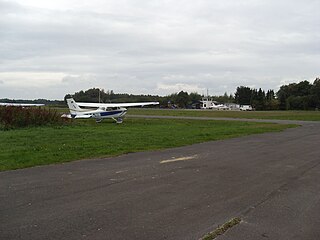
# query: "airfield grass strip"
[275,115]
[27,147]
[222,229]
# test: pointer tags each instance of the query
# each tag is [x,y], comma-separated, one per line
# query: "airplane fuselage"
[101,113]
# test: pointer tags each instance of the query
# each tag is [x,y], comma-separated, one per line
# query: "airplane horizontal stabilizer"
[83,116]
[75,116]
[21,104]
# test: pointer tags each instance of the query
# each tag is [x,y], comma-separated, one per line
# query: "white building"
[208,103]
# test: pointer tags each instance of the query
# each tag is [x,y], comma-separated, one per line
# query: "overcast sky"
[51,48]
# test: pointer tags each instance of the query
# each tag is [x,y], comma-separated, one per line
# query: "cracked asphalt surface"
[269,180]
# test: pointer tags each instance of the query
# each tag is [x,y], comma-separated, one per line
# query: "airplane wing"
[21,104]
[97,105]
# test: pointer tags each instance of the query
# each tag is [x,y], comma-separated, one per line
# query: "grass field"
[281,115]
[85,139]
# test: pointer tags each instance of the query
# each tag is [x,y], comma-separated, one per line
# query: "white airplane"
[220,107]
[21,104]
[99,111]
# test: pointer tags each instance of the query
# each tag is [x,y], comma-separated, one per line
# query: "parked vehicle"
[246,108]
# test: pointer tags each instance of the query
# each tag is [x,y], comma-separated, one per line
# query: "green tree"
[315,92]
[298,96]
[182,99]
[271,102]
[260,101]
[194,97]
[243,95]
[282,95]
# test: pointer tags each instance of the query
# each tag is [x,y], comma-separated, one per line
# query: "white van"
[246,108]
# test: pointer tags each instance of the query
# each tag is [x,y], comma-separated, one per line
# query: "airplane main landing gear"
[119,120]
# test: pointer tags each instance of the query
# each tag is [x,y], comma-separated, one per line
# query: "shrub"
[20,117]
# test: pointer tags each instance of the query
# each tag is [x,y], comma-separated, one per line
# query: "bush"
[20,117]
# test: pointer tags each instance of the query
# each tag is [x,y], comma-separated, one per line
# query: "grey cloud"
[10,7]
[134,47]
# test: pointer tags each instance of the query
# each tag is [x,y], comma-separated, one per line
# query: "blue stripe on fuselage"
[103,114]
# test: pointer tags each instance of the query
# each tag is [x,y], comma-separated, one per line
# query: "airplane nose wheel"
[98,120]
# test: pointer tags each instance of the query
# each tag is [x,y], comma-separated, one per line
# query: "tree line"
[182,99]
[294,96]
[302,95]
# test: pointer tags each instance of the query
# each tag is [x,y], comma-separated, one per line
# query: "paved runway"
[270,180]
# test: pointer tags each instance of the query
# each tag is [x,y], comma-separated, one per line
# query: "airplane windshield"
[112,108]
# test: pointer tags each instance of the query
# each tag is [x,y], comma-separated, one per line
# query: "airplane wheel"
[98,120]
[119,120]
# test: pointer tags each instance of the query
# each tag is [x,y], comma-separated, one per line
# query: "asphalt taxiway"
[271,181]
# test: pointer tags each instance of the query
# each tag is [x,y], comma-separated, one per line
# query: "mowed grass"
[85,139]
[280,115]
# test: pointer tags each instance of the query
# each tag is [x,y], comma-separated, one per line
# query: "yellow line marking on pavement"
[179,159]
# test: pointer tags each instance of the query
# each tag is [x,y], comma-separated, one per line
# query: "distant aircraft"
[21,104]
[99,111]
[208,103]
[220,107]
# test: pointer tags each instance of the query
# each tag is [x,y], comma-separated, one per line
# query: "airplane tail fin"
[73,106]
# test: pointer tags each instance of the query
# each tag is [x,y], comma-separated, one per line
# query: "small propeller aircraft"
[99,111]
[21,104]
